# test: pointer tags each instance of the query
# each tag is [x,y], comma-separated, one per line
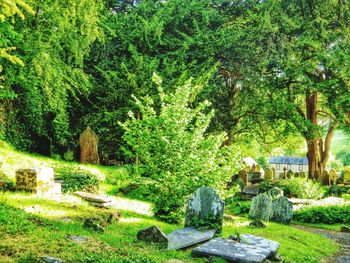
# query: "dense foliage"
[324,214]
[171,148]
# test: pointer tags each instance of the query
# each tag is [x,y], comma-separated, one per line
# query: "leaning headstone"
[88,141]
[275,193]
[152,234]
[268,174]
[261,207]
[325,178]
[188,236]
[282,210]
[345,229]
[251,249]
[205,209]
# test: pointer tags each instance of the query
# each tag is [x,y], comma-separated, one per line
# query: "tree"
[174,151]
[302,63]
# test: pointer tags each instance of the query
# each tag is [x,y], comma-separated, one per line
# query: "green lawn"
[32,226]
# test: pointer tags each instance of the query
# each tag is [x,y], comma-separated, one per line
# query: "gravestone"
[302,175]
[242,174]
[152,234]
[333,176]
[282,210]
[205,209]
[275,193]
[251,249]
[268,174]
[289,174]
[254,177]
[261,207]
[273,169]
[88,141]
[325,178]
[188,236]
[37,180]
[248,192]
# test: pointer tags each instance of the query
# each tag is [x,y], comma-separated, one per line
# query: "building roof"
[288,160]
[249,161]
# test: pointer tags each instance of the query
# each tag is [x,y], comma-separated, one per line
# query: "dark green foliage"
[344,157]
[323,214]
[77,180]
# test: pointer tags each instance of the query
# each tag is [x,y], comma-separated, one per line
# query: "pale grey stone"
[251,189]
[261,207]
[78,239]
[282,210]
[275,193]
[251,249]
[188,236]
[152,234]
[206,207]
[48,259]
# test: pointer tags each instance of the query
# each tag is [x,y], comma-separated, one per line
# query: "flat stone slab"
[78,239]
[251,189]
[188,236]
[94,198]
[251,249]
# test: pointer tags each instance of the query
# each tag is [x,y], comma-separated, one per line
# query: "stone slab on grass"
[188,236]
[94,198]
[251,249]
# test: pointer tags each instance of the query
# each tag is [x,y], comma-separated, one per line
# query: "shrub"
[172,149]
[77,179]
[324,214]
[68,156]
[295,187]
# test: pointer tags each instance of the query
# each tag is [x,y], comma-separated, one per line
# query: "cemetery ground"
[32,226]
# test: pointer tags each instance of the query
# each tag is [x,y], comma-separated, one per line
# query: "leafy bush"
[324,214]
[295,187]
[77,179]
[68,156]
[173,150]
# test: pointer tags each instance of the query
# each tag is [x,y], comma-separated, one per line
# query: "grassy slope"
[32,227]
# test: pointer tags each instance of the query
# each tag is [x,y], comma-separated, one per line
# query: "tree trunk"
[311,102]
[325,147]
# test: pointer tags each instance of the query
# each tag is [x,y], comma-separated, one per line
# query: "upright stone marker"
[88,147]
[325,178]
[35,180]
[282,210]
[152,234]
[205,209]
[261,208]
[268,174]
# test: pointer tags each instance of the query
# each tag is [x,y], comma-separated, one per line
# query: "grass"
[32,226]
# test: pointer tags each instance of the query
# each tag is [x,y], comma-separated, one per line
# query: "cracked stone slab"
[251,249]
[188,236]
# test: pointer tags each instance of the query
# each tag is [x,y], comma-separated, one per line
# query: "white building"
[295,164]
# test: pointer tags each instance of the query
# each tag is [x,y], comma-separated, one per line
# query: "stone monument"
[88,141]
[205,209]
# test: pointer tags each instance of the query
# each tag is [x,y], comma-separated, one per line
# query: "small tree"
[173,150]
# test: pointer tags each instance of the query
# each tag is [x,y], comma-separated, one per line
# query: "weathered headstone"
[258,168]
[261,207]
[268,174]
[90,223]
[205,209]
[242,174]
[325,178]
[152,234]
[48,259]
[282,210]
[275,193]
[333,176]
[302,174]
[188,236]
[88,141]
[251,249]
[254,177]
[37,180]
[273,169]
[290,174]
